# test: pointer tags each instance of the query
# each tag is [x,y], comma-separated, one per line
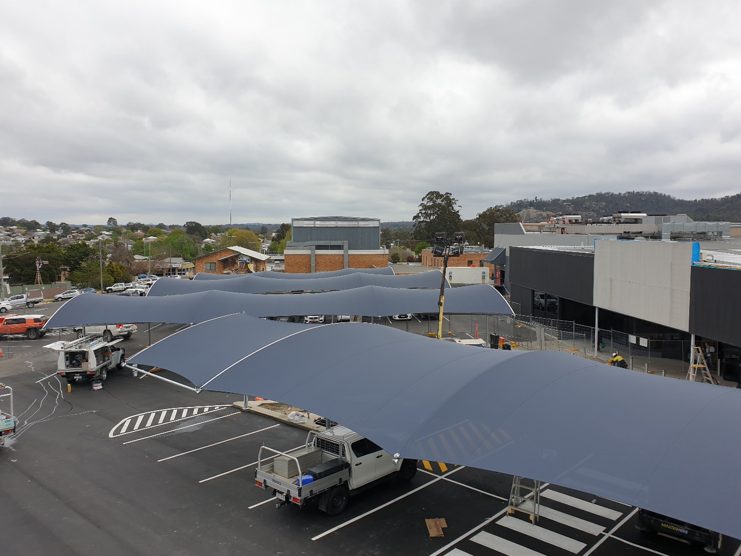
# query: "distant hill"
[723,209]
[401,225]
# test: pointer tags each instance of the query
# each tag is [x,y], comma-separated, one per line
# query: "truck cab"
[332,465]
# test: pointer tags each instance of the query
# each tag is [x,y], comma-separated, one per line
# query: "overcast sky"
[144,110]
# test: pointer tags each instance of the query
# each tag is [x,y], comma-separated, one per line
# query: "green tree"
[421,246]
[75,254]
[195,229]
[438,212]
[118,272]
[494,215]
[51,226]
[179,244]
[241,237]
[112,222]
[88,275]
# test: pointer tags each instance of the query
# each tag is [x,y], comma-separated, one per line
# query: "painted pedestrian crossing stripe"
[159,418]
[557,529]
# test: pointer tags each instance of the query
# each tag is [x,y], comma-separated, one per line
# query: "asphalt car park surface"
[144,467]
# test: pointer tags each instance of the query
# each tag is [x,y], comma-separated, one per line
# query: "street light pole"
[444,247]
[100,256]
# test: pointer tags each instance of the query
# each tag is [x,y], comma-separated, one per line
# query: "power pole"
[2,273]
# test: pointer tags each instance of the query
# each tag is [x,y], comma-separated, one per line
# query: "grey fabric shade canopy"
[257,284]
[384,270]
[666,445]
[189,308]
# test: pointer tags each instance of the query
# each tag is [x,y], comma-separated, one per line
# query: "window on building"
[210,266]
[545,305]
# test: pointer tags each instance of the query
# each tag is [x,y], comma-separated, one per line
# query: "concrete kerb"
[280,412]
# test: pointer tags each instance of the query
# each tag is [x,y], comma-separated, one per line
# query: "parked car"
[68,294]
[135,291]
[29,299]
[404,316]
[88,290]
[118,287]
[5,306]
[108,331]
[31,326]
[314,319]
[344,318]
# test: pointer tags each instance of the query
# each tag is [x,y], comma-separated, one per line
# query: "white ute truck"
[7,419]
[87,358]
[331,466]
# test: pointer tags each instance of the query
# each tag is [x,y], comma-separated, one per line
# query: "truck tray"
[327,468]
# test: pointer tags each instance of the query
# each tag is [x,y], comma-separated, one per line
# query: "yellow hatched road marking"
[443,467]
[427,465]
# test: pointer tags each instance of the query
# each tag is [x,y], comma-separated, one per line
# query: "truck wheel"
[29,305]
[3,310]
[107,336]
[337,499]
[32,333]
[407,470]
[103,374]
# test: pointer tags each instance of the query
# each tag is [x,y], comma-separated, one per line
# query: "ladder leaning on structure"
[697,361]
[524,498]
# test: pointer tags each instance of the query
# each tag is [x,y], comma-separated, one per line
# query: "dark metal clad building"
[331,231]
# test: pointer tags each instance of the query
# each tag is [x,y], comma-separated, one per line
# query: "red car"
[26,325]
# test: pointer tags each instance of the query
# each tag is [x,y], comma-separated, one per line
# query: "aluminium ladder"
[525,498]
[698,362]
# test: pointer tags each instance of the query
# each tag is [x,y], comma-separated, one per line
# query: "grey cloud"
[145,111]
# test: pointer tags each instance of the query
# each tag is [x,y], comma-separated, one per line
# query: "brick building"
[235,259]
[471,257]
[334,242]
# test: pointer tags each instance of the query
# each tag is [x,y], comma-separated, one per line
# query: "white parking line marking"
[46,377]
[253,506]
[125,426]
[184,413]
[580,504]
[542,534]
[464,485]
[181,428]
[502,545]
[609,534]
[174,414]
[457,552]
[162,417]
[645,548]
[207,479]
[374,510]
[216,443]
[486,522]
[149,421]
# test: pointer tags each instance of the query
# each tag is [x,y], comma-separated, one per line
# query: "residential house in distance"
[231,260]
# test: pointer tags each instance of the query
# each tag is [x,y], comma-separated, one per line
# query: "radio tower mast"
[230,202]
